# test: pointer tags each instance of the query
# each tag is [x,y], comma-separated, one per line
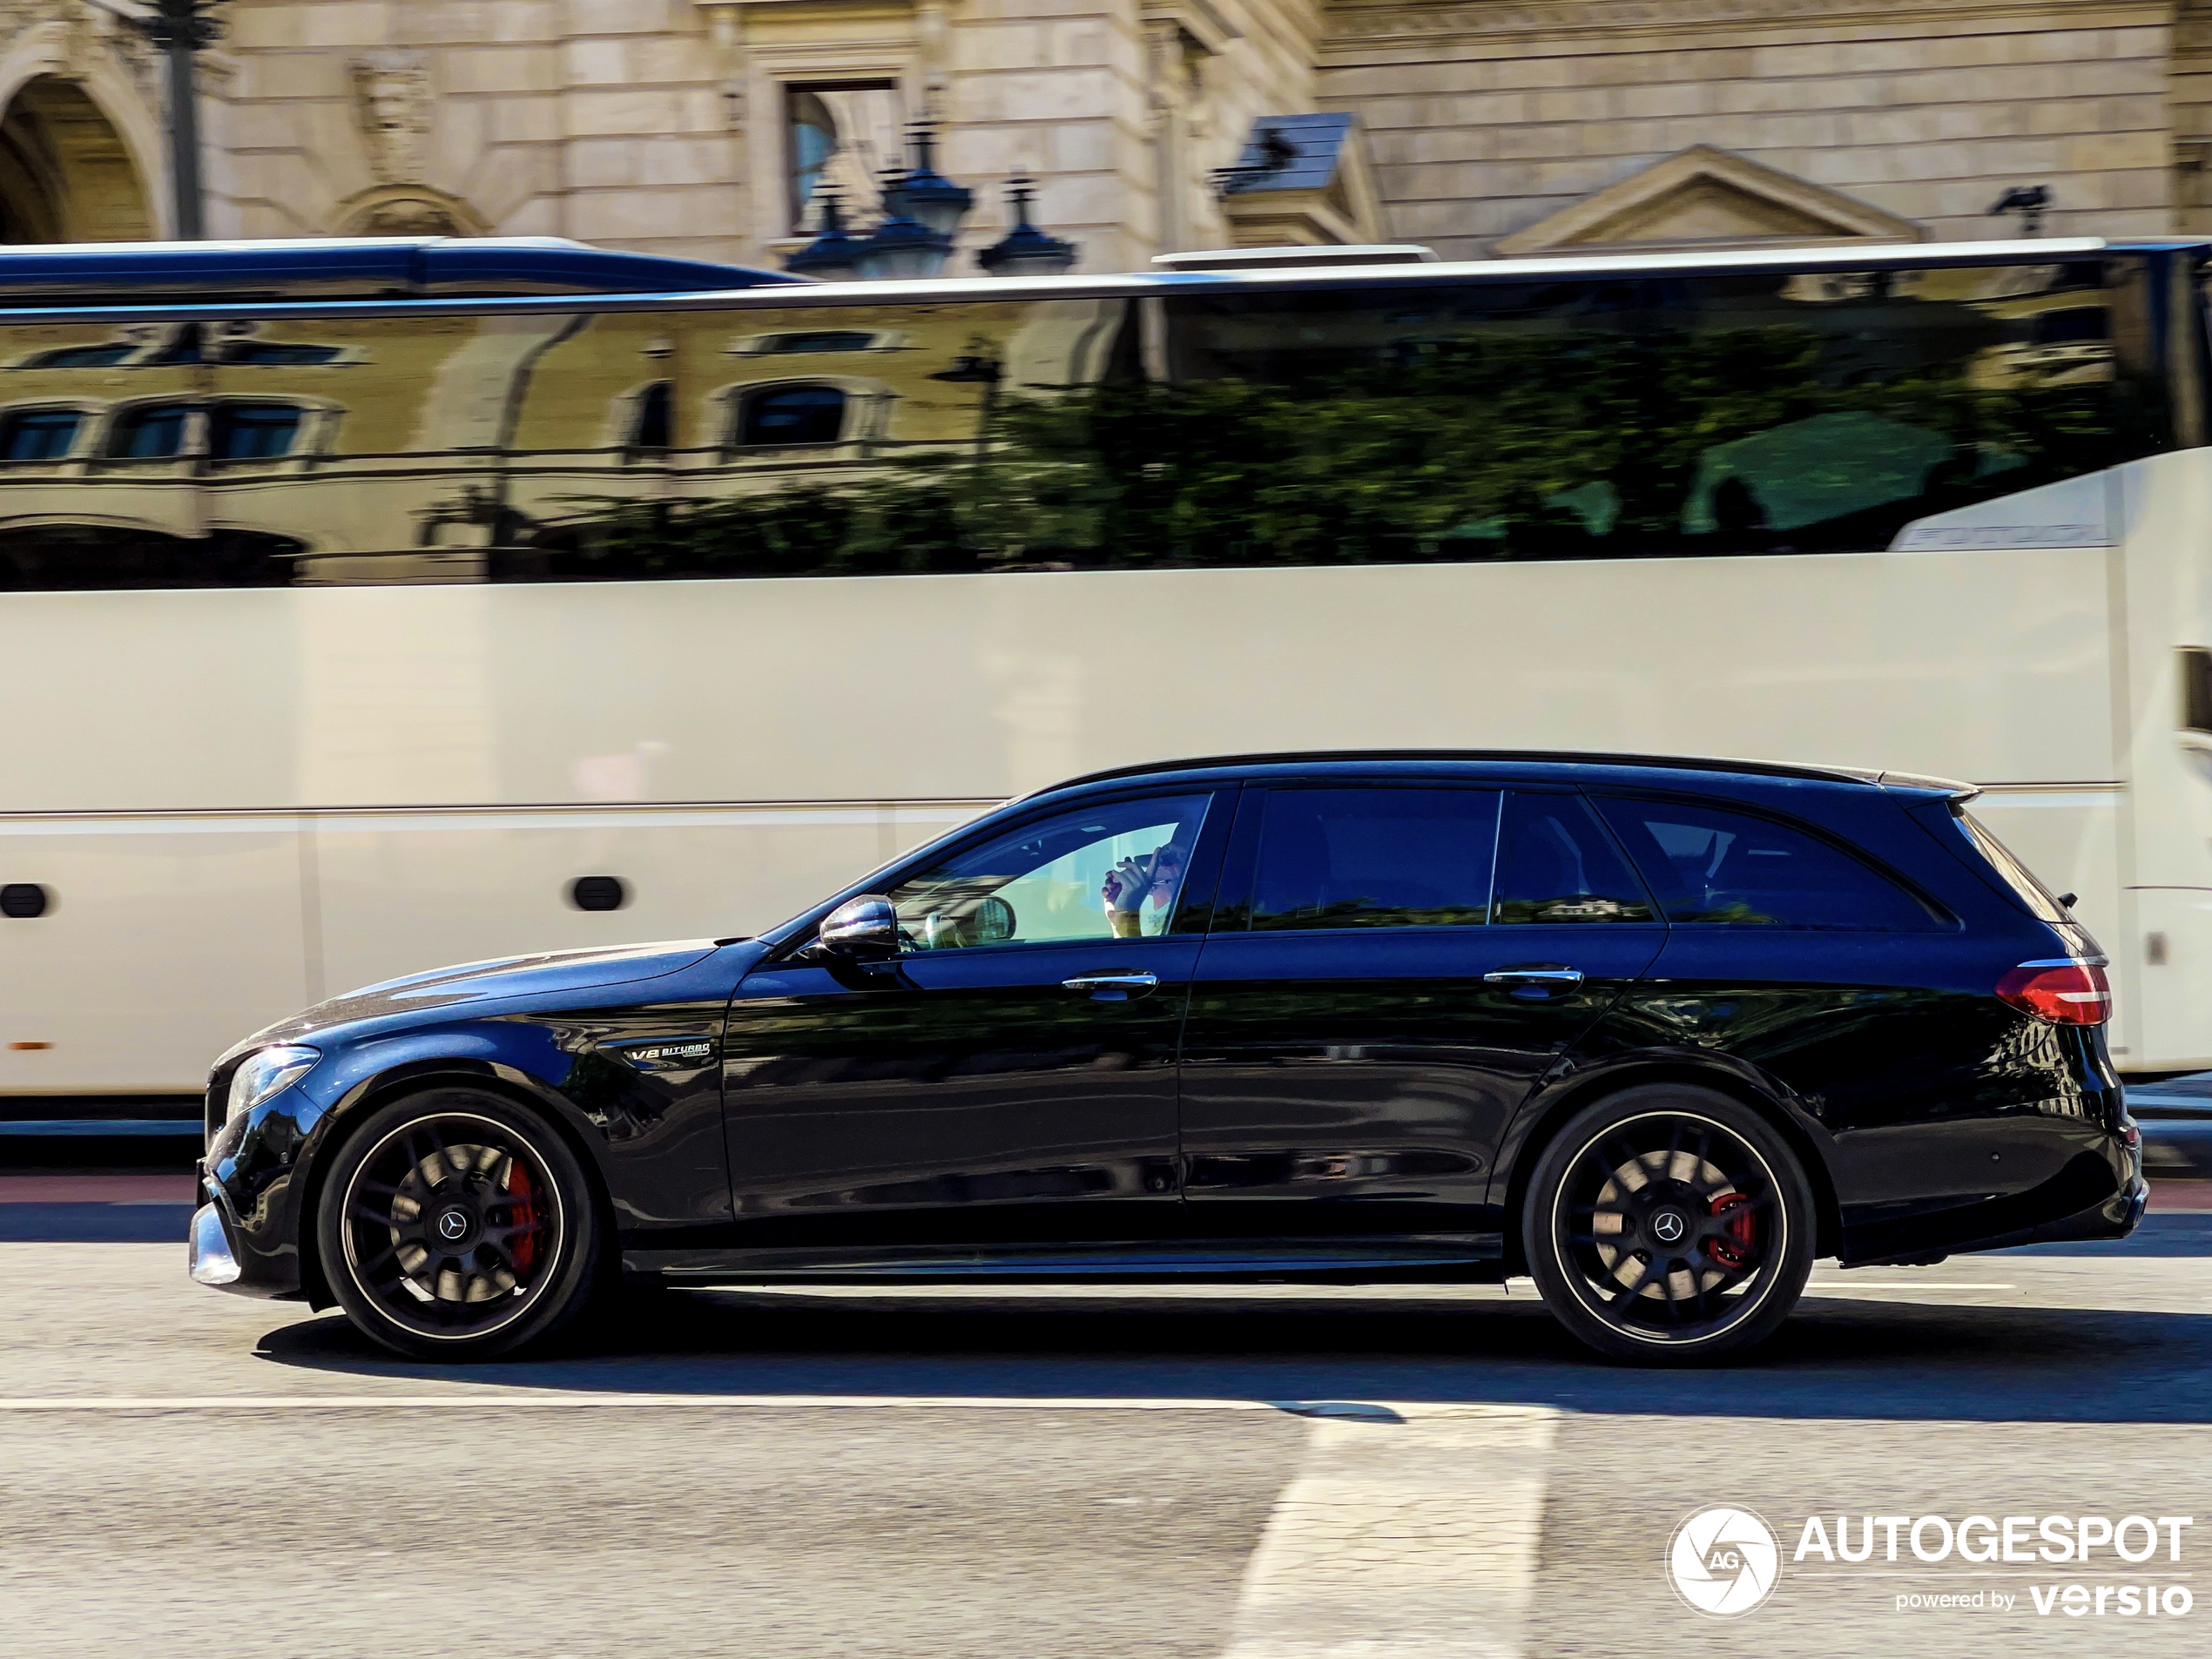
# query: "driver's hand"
[1126,886]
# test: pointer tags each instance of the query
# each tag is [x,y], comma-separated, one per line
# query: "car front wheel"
[1668,1224]
[456,1225]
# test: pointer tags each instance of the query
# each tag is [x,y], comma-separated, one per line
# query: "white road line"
[554,1400]
[1821,1287]
[1413,1540]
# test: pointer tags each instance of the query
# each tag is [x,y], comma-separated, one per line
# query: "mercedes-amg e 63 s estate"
[1655,1033]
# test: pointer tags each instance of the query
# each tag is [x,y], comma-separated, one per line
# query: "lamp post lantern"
[1025,250]
[832,253]
[181,29]
[922,193]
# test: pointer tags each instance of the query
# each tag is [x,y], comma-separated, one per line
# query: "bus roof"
[325,268]
[155,281]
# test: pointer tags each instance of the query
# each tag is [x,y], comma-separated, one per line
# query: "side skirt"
[1479,1259]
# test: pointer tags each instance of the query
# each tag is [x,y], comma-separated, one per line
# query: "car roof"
[1580,766]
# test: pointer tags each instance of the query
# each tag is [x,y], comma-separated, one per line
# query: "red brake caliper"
[521,1212]
[1737,1243]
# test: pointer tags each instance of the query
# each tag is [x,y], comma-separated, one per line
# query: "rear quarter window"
[2017,876]
[1710,865]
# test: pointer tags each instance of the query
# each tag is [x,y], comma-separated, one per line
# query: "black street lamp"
[181,29]
[1025,250]
[923,194]
[832,253]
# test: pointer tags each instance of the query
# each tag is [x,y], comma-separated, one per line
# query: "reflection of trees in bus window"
[39,434]
[252,431]
[791,414]
[150,432]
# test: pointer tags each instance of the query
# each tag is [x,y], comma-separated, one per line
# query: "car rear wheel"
[1668,1225]
[456,1225]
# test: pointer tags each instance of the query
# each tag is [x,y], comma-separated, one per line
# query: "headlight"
[267,1072]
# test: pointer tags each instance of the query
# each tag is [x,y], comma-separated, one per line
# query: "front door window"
[1110,872]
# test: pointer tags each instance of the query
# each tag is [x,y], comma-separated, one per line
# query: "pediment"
[1705,197]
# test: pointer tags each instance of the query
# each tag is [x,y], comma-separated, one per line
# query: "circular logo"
[452,1225]
[1668,1226]
[1723,1561]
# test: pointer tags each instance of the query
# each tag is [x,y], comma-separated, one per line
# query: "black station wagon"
[1656,1033]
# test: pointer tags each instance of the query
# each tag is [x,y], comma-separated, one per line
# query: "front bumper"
[212,1260]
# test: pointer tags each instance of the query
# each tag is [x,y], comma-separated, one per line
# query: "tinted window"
[1375,858]
[793,415]
[1714,866]
[149,434]
[39,434]
[1556,864]
[1110,872]
[252,431]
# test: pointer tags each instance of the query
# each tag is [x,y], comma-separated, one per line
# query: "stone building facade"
[1480,128]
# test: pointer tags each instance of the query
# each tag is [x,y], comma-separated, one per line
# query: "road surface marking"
[1820,1286]
[1398,1540]
[555,1399]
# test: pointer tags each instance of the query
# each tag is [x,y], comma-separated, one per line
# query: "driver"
[1134,883]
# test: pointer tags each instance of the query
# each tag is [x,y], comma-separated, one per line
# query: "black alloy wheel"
[456,1225]
[1668,1224]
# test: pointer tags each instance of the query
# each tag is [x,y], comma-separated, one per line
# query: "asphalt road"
[1276,1474]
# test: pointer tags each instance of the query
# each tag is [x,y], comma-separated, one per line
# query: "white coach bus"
[353,621]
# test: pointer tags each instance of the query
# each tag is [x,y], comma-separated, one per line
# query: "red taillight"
[2060,993]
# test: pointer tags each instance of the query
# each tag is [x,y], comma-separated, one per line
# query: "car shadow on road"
[1862,1358]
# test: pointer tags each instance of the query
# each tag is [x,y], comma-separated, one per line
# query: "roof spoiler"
[1919,783]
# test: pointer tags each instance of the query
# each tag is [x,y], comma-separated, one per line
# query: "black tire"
[456,1225]
[1668,1225]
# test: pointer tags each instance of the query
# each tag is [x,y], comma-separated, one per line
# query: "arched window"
[792,415]
[813,136]
[252,431]
[648,423]
[150,432]
[39,434]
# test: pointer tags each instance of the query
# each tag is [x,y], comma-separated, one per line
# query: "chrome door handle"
[1111,987]
[1563,977]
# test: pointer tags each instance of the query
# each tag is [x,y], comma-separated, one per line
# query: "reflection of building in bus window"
[791,414]
[150,432]
[252,431]
[105,356]
[817,340]
[649,422]
[39,434]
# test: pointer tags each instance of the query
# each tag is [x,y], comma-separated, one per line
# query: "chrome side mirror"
[862,929]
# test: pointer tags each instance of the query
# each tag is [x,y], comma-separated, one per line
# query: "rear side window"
[1375,858]
[1710,865]
[1556,864]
